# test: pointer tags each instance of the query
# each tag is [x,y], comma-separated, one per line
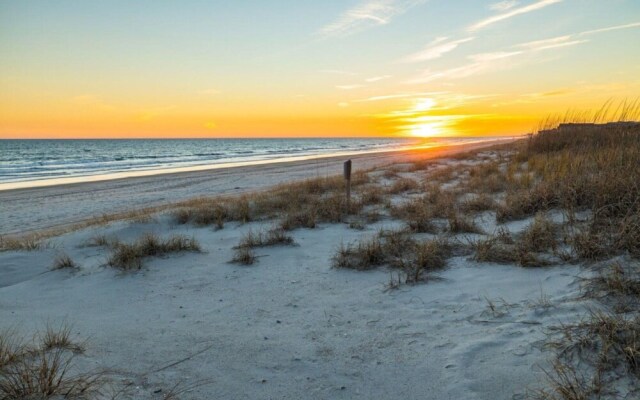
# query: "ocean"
[36,160]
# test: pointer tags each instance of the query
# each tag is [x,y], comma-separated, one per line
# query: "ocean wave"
[24,160]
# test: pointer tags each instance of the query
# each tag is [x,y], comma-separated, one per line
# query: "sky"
[308,68]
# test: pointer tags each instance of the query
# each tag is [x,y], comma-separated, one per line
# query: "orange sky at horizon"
[373,68]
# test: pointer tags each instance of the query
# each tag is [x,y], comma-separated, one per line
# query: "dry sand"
[290,326]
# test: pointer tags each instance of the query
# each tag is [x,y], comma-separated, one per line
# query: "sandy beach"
[26,210]
[363,199]
[306,317]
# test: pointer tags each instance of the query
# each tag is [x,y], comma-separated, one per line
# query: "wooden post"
[347,177]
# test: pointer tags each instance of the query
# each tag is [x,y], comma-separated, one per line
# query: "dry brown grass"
[262,238]
[585,167]
[60,337]
[494,249]
[44,369]
[479,203]
[616,282]
[127,256]
[414,260]
[461,224]
[364,255]
[100,241]
[422,165]
[371,194]
[419,212]
[417,215]
[244,256]
[603,237]
[402,185]
[63,261]
[596,168]
[27,242]
[539,236]
[299,219]
[429,256]
[213,213]
[567,383]
[443,174]
[243,252]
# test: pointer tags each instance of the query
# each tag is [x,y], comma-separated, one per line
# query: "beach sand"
[25,210]
[288,327]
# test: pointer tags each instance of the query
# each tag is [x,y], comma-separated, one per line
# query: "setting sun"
[93,70]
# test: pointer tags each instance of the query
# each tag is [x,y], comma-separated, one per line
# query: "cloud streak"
[436,49]
[493,61]
[512,12]
[399,96]
[366,15]
[553,43]
[611,28]
[485,62]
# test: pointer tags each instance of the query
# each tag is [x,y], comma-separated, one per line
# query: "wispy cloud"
[611,28]
[485,62]
[553,43]
[503,5]
[436,49]
[551,93]
[571,40]
[512,12]
[377,78]
[498,55]
[481,63]
[365,15]
[399,96]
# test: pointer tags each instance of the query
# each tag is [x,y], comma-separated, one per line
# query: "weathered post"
[347,177]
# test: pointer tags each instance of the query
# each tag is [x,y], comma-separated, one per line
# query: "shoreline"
[57,206]
[137,173]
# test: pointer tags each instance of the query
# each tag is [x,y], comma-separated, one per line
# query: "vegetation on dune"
[129,256]
[594,169]
[413,259]
[63,261]
[46,368]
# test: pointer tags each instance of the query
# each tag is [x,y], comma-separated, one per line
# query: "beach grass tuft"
[129,256]
[45,369]
[63,261]
[244,256]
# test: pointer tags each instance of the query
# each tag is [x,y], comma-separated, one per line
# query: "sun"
[426,130]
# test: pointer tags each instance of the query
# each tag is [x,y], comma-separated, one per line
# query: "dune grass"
[44,369]
[414,260]
[63,261]
[592,168]
[262,238]
[129,256]
[244,256]
[26,242]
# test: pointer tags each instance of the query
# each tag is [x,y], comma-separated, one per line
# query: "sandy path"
[23,210]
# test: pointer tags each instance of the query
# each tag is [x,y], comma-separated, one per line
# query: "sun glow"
[426,129]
